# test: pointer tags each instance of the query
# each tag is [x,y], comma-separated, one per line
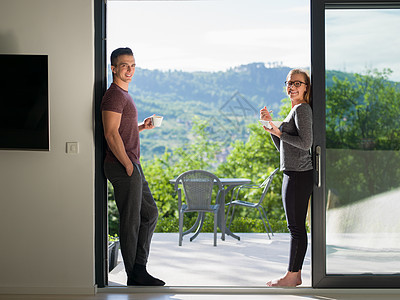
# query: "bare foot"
[299,281]
[291,279]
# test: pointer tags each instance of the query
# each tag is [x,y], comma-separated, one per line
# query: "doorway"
[181,49]
[218,40]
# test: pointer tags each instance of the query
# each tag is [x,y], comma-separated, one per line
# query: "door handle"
[318,164]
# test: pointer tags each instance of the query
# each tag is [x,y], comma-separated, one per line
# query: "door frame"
[320,279]
[100,85]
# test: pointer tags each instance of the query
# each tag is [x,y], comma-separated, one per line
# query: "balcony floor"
[252,261]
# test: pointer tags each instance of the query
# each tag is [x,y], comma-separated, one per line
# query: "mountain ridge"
[227,100]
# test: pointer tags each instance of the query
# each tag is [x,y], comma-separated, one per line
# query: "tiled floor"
[233,270]
[307,294]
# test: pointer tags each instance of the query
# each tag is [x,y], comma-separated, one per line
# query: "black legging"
[296,191]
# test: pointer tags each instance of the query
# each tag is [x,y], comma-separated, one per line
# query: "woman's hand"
[274,130]
[265,114]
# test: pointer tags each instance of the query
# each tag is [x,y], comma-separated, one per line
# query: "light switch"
[72,148]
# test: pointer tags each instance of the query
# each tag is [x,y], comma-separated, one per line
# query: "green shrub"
[239,224]
[113,238]
[113,215]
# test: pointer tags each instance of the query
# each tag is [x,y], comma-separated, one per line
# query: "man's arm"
[111,123]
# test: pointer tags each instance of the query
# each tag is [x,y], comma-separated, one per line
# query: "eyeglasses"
[295,83]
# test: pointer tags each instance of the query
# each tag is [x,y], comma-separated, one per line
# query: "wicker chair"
[197,186]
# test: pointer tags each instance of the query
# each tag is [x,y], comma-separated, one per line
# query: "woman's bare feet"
[291,279]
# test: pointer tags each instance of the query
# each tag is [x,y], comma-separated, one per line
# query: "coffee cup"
[156,121]
[267,125]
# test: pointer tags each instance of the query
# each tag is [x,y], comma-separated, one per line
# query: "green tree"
[200,153]
[363,114]
[255,160]
[113,215]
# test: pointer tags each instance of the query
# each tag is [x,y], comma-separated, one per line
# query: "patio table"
[228,184]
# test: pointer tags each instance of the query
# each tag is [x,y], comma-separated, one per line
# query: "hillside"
[226,100]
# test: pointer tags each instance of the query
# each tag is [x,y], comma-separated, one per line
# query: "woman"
[293,139]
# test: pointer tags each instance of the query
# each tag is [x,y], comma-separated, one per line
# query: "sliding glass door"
[356,78]
[356,104]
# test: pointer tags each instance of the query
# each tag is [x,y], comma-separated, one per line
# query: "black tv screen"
[24,102]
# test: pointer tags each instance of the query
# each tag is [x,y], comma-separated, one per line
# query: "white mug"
[156,121]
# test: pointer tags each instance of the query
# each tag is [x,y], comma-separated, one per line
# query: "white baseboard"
[22,290]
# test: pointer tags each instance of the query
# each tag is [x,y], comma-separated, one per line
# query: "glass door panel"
[362,168]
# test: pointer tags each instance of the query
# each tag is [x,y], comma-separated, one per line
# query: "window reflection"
[362,141]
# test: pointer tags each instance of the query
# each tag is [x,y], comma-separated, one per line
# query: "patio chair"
[198,187]
[258,205]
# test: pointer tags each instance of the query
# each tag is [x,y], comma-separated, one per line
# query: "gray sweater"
[296,139]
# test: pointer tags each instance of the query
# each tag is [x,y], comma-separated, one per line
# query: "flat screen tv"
[24,102]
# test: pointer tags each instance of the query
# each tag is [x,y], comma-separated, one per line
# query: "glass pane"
[363,141]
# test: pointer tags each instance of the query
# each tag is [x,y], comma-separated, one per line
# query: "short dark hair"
[117,52]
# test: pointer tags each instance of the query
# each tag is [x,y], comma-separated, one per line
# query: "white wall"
[47,198]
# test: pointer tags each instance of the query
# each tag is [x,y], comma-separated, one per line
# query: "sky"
[215,35]
[358,40]
[211,35]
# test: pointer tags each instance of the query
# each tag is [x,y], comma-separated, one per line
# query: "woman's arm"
[276,141]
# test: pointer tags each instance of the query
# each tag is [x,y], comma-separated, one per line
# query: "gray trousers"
[137,211]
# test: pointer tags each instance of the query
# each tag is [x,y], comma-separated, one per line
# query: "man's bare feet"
[291,279]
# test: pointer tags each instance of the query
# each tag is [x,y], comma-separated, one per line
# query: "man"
[136,206]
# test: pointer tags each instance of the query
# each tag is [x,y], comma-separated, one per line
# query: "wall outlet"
[72,148]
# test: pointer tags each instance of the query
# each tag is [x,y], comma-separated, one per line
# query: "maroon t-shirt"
[118,100]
